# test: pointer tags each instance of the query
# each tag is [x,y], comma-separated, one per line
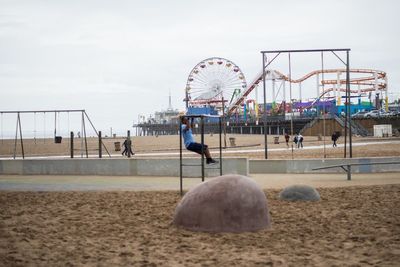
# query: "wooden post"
[129,144]
[71,142]
[100,145]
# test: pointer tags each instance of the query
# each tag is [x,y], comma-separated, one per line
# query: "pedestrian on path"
[128,151]
[335,137]
[300,141]
[287,137]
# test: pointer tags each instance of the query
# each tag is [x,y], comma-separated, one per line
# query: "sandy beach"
[78,77]
[126,221]
[350,226]
[251,146]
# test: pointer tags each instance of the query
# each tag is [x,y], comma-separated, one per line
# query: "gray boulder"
[299,192]
[229,203]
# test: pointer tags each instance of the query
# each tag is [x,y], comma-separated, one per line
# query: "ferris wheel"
[214,81]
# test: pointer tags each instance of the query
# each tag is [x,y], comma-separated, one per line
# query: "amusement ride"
[219,86]
[214,82]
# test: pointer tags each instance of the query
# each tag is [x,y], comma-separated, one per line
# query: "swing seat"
[57,139]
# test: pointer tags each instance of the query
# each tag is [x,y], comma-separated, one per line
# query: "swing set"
[57,136]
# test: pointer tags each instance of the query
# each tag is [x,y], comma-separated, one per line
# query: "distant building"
[166,116]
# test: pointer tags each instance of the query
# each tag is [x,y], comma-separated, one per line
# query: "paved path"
[142,183]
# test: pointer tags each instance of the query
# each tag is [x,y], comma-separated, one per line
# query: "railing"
[349,165]
[356,128]
[309,124]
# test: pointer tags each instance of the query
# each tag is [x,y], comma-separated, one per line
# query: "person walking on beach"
[335,137]
[300,141]
[191,145]
[287,137]
[127,148]
[295,140]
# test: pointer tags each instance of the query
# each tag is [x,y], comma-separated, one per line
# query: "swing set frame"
[56,112]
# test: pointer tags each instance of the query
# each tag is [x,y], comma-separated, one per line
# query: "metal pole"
[16,137]
[80,136]
[84,133]
[68,124]
[180,155]
[100,145]
[291,102]
[34,129]
[345,125]
[220,146]
[43,111]
[20,135]
[224,120]
[265,109]
[349,104]
[306,50]
[72,144]
[55,125]
[323,103]
[202,147]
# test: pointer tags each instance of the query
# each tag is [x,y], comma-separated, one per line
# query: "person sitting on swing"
[191,145]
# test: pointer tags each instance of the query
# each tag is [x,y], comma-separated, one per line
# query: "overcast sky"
[118,59]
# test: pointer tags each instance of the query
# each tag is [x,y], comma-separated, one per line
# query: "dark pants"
[197,148]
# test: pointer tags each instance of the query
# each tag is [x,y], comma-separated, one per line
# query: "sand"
[351,226]
[44,223]
[155,183]
[251,146]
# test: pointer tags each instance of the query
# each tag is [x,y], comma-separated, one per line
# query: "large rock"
[299,192]
[229,203]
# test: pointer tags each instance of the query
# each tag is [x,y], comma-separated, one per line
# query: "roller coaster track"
[369,82]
